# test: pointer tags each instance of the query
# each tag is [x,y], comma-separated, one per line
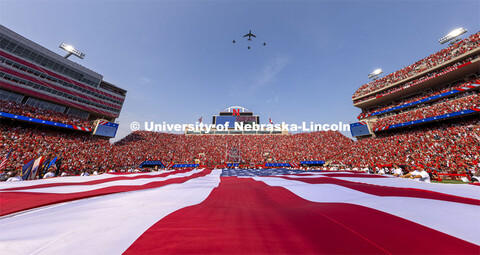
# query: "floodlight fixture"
[452,35]
[71,50]
[374,75]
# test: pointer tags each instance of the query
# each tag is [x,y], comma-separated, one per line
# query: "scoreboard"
[359,129]
[105,128]
[223,119]
[246,119]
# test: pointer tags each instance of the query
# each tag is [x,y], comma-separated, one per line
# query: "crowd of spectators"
[447,147]
[43,114]
[215,149]
[423,95]
[450,105]
[451,148]
[409,84]
[82,152]
[433,60]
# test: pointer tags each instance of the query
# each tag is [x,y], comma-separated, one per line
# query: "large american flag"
[238,212]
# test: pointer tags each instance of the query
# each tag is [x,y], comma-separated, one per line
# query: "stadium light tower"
[374,75]
[452,36]
[71,50]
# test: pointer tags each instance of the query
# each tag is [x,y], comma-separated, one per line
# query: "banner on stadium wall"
[44,122]
[312,162]
[449,93]
[277,164]
[152,163]
[439,117]
[185,165]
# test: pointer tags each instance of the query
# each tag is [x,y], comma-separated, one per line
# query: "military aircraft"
[250,35]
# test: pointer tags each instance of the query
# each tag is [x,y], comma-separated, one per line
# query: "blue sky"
[178,62]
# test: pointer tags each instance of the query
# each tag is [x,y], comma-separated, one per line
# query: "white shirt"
[425,176]
[381,171]
[14,179]
[49,175]
[398,171]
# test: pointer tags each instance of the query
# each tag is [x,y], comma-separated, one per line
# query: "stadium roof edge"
[465,55]
[115,86]
[48,52]
[445,78]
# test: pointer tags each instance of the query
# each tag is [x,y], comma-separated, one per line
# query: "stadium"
[77,176]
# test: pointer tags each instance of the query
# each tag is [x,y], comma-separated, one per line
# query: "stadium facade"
[422,93]
[32,75]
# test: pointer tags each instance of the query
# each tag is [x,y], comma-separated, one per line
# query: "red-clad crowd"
[433,60]
[445,147]
[448,148]
[215,149]
[468,101]
[43,114]
[415,82]
[80,152]
[423,95]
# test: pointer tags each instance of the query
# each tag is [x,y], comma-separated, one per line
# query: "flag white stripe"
[461,190]
[89,187]
[448,217]
[101,225]
[72,179]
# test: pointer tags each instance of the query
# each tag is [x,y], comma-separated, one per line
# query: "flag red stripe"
[18,201]
[385,191]
[116,178]
[245,216]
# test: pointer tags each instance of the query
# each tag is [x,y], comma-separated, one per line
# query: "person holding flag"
[37,165]
[50,174]
[3,165]
[26,169]
[58,164]
[15,177]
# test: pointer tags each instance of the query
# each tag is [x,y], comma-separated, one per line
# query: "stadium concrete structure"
[32,75]
[452,79]
[232,115]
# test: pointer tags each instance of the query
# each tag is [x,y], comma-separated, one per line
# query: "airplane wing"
[253,35]
[245,35]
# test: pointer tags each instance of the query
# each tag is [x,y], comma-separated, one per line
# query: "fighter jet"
[250,35]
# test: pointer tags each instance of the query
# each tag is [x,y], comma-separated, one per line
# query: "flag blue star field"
[238,212]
